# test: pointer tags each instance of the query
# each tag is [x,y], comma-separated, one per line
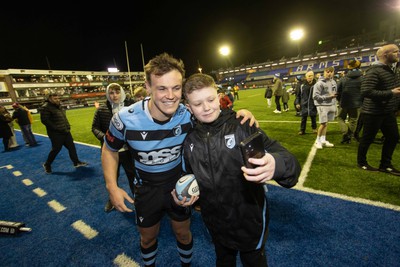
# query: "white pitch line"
[124,261]
[17,173]
[306,167]
[85,229]
[7,167]
[40,192]
[304,173]
[27,182]
[56,206]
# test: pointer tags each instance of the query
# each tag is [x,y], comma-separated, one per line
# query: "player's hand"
[264,172]
[183,202]
[118,197]
[247,115]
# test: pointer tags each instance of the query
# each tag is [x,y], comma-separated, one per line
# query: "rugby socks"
[149,254]
[185,253]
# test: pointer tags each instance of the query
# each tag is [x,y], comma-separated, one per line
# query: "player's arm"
[109,161]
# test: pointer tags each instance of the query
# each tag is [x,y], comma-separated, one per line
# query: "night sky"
[67,36]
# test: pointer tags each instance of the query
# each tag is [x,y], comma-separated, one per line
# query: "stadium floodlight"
[113,69]
[225,51]
[296,35]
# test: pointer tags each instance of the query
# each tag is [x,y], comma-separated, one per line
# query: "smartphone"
[252,147]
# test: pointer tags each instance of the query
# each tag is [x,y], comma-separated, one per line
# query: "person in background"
[224,100]
[54,117]
[285,99]
[380,89]
[324,95]
[154,129]
[5,130]
[21,116]
[212,154]
[129,100]
[101,122]
[305,103]
[12,143]
[277,91]
[236,92]
[139,94]
[229,93]
[268,95]
[349,97]
[296,86]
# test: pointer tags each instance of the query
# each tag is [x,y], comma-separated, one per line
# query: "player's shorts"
[152,202]
[326,113]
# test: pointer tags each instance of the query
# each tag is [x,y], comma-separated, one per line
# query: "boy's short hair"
[198,81]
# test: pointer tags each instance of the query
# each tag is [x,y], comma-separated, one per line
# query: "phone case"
[252,147]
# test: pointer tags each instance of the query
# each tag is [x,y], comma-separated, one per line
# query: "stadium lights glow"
[296,34]
[365,49]
[354,51]
[225,50]
[343,53]
[333,55]
[113,69]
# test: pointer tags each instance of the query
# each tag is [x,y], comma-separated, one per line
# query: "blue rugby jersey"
[156,148]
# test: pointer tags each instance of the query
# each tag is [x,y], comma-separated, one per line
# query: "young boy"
[324,95]
[230,193]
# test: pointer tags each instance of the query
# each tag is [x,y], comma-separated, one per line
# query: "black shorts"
[152,202]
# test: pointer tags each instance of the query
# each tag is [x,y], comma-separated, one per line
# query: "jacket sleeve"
[96,126]
[340,86]
[297,101]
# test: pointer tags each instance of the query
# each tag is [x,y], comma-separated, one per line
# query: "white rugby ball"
[187,187]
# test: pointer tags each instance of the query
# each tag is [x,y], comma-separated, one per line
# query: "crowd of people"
[363,103]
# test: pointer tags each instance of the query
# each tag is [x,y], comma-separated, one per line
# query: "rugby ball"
[187,187]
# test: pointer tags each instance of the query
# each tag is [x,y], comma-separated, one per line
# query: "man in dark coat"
[305,103]
[380,89]
[5,130]
[349,97]
[58,129]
